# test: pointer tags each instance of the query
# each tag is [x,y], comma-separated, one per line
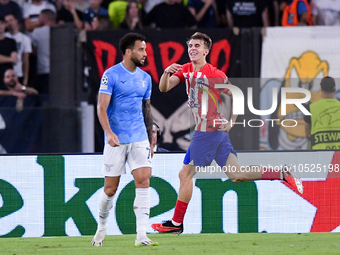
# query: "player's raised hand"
[173,68]
[112,139]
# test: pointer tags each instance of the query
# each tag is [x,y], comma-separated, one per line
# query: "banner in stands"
[164,47]
[57,195]
[295,57]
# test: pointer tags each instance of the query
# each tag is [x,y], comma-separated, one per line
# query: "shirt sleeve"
[148,91]
[13,46]
[26,8]
[27,47]
[107,83]
[180,75]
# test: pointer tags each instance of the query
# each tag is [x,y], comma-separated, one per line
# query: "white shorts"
[137,155]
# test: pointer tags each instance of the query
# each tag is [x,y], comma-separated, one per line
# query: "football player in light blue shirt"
[124,111]
[127,90]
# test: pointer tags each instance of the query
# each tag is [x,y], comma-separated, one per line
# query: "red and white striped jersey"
[203,97]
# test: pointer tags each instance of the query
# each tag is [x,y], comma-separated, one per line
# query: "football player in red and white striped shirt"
[210,140]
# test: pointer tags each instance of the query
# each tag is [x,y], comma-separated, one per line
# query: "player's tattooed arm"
[148,118]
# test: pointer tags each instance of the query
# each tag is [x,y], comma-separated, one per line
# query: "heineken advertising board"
[56,195]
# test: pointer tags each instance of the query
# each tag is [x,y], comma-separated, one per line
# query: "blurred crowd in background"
[24,25]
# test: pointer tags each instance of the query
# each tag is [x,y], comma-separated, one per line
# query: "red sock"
[271,174]
[180,209]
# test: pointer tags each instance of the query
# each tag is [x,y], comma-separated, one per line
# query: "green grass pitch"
[259,243]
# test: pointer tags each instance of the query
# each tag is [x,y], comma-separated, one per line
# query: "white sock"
[175,223]
[105,205]
[141,207]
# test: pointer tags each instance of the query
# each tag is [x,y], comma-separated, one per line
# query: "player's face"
[10,79]
[197,50]
[138,55]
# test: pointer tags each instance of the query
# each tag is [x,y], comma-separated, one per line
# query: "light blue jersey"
[128,90]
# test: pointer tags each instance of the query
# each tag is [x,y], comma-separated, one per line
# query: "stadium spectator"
[117,10]
[210,140]
[94,10]
[101,23]
[24,48]
[170,14]
[15,88]
[323,126]
[56,3]
[205,12]
[68,13]
[10,7]
[32,11]
[325,12]
[41,42]
[132,19]
[156,136]
[149,4]
[8,51]
[296,13]
[126,119]
[81,5]
[248,13]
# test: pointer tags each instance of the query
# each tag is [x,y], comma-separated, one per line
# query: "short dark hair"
[328,84]
[49,14]
[200,36]
[11,14]
[2,19]
[128,41]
